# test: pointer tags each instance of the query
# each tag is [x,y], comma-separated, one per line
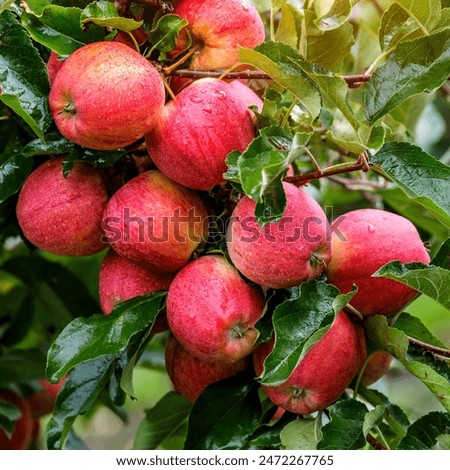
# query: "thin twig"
[359,184]
[353,81]
[429,347]
[299,180]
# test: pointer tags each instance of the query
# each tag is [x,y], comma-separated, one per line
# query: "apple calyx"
[239,331]
[69,108]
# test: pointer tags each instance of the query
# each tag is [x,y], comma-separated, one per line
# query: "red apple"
[217,28]
[196,132]
[376,367]
[121,279]
[43,401]
[363,241]
[54,65]
[105,96]
[63,215]
[285,253]
[190,376]
[155,222]
[212,311]
[324,372]
[21,436]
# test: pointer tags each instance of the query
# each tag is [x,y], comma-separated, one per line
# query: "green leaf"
[4,4]
[104,14]
[442,442]
[432,281]
[21,366]
[330,48]
[396,343]
[13,172]
[273,204]
[59,28]
[23,75]
[302,434]
[295,321]
[289,26]
[88,338]
[426,13]
[162,421]
[419,175]
[225,415]
[100,159]
[373,418]
[232,173]
[397,26]
[345,431]
[79,392]
[54,144]
[264,161]
[9,414]
[413,327]
[279,61]
[416,66]
[164,35]
[424,432]
[332,14]
[442,257]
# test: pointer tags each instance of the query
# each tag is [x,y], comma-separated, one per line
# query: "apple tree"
[290,158]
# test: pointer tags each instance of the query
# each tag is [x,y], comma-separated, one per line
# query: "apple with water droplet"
[363,241]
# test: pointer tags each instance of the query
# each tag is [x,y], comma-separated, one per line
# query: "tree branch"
[123,6]
[353,81]
[374,443]
[299,180]
[429,347]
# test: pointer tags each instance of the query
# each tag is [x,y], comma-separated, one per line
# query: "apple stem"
[167,87]
[183,59]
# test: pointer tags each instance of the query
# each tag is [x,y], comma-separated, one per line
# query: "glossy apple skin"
[371,239]
[324,372]
[105,96]
[196,132]
[53,66]
[22,432]
[219,27]
[377,366]
[190,375]
[43,401]
[64,215]
[285,253]
[211,310]
[155,222]
[121,279]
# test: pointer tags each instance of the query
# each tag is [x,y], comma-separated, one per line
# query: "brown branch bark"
[123,6]
[374,443]
[429,347]
[299,180]
[353,81]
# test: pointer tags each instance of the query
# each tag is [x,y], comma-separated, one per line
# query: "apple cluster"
[108,96]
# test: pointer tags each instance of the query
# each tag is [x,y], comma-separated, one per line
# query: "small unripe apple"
[218,28]
[285,253]
[155,222]
[324,372]
[43,401]
[376,367]
[121,279]
[64,215]
[21,436]
[190,375]
[363,241]
[105,96]
[212,311]
[197,130]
